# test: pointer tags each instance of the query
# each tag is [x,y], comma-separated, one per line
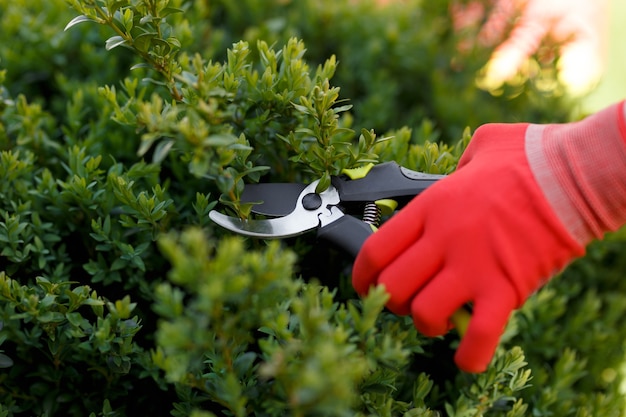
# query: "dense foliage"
[119,297]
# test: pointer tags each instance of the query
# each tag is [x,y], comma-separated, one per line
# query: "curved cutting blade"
[299,221]
[267,228]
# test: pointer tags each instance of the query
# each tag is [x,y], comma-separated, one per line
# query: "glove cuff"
[581,169]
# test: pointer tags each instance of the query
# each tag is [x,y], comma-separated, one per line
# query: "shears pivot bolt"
[312,201]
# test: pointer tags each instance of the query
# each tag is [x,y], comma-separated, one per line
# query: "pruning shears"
[345,214]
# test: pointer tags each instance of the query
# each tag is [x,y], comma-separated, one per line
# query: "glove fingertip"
[470,364]
[475,354]
[485,328]
[430,325]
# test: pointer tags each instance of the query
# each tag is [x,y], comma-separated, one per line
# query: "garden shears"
[345,214]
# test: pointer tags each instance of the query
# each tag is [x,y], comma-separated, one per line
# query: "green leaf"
[140,65]
[162,150]
[142,42]
[341,109]
[173,42]
[5,361]
[77,20]
[116,5]
[127,19]
[170,10]
[220,140]
[114,42]
[324,183]
[51,317]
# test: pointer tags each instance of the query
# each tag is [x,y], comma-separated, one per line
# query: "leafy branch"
[140,27]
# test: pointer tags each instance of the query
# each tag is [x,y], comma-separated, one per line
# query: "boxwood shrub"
[119,297]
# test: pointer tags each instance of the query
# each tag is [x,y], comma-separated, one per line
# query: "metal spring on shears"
[372,214]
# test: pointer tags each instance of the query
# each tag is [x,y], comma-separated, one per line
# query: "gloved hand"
[524,201]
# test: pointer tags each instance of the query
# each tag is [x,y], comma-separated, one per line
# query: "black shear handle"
[347,232]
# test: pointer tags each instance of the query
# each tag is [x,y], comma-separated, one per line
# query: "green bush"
[398,65]
[119,297]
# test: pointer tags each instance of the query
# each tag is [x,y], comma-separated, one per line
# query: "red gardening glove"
[524,201]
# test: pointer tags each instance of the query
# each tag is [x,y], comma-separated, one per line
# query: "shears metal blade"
[308,212]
